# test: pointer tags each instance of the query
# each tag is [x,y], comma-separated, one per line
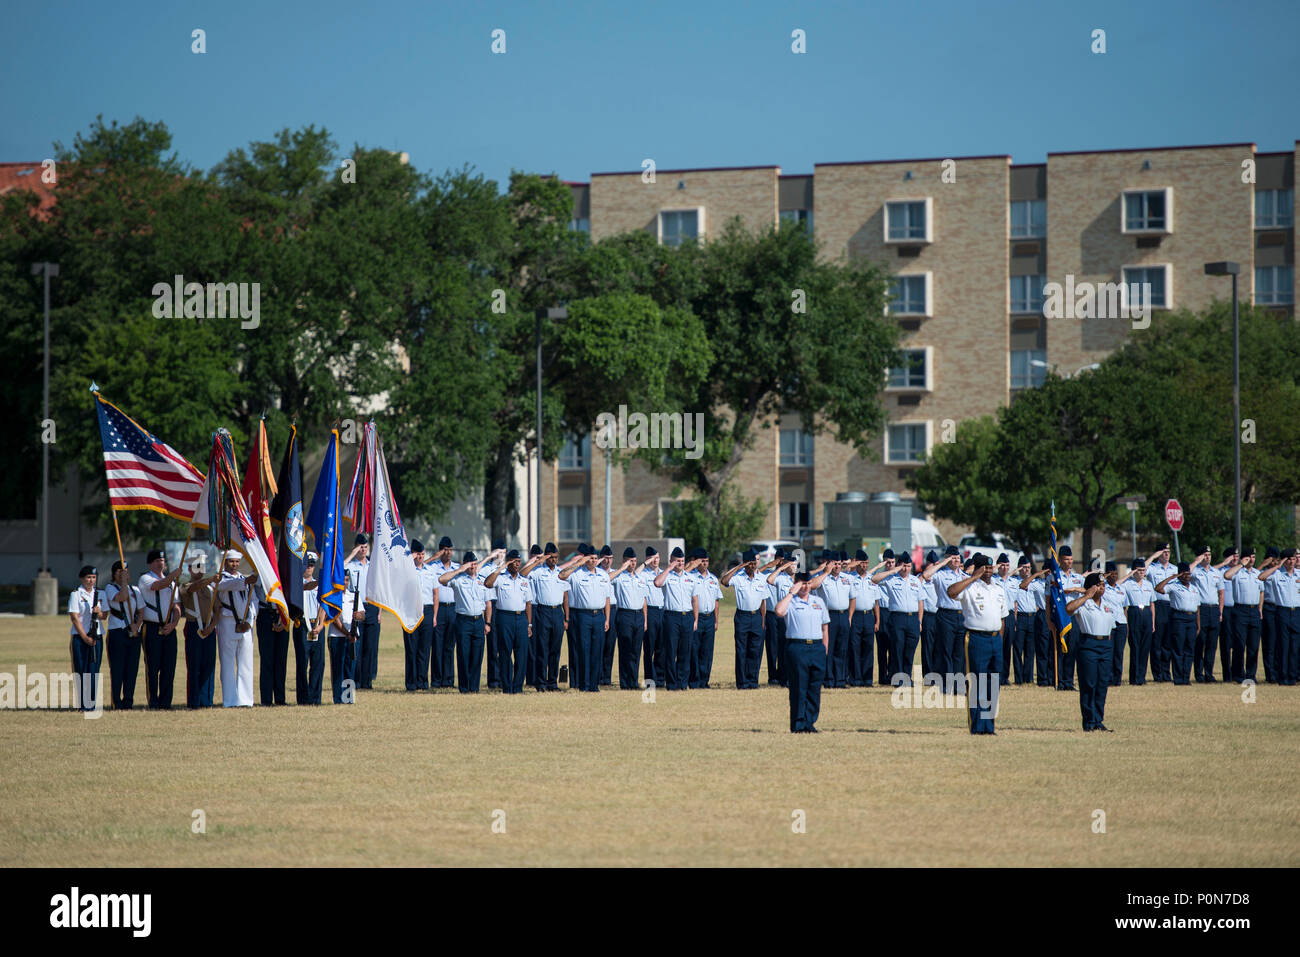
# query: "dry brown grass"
[1192,777]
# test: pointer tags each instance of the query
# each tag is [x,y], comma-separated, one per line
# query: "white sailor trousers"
[236,664]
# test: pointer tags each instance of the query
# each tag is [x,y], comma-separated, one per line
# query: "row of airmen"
[517,614]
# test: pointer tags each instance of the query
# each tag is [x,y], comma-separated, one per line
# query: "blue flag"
[1062,617]
[326,526]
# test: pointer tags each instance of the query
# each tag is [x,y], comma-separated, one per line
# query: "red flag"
[258,490]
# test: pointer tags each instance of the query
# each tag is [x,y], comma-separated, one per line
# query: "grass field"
[1194,776]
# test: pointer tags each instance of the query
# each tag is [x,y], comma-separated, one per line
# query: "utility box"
[854,520]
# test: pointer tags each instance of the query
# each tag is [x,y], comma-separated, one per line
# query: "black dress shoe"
[1102,727]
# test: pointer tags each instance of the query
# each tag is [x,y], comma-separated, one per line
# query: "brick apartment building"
[972,241]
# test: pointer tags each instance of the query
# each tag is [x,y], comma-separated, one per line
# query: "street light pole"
[1228,268]
[1236,416]
[554,314]
[49,270]
[537,514]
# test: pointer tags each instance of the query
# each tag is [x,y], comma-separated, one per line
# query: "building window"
[911,374]
[908,221]
[1274,208]
[796,448]
[576,453]
[1027,293]
[1028,368]
[1147,286]
[910,295]
[580,224]
[1147,211]
[574,523]
[906,443]
[804,216]
[1274,285]
[1029,219]
[796,520]
[677,226]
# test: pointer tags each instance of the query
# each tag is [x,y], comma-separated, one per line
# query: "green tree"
[721,528]
[967,481]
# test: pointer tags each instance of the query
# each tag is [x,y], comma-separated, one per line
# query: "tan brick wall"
[969,329]
[1213,219]
[621,202]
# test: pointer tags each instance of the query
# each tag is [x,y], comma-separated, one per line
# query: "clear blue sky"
[594,87]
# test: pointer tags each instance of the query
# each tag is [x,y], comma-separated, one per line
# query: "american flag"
[143,473]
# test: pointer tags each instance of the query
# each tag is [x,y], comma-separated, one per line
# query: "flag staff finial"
[93,387]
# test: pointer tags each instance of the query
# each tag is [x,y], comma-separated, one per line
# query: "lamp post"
[45,589]
[1233,269]
[554,314]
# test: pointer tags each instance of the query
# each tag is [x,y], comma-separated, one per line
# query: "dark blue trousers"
[469,652]
[273,649]
[124,667]
[1287,657]
[805,669]
[86,660]
[1161,644]
[1023,648]
[548,638]
[367,665]
[862,649]
[492,651]
[677,640]
[885,647]
[418,645]
[774,646]
[702,650]
[837,658]
[590,626]
[951,642]
[1140,630]
[907,633]
[1268,644]
[653,637]
[200,665]
[309,661]
[1118,638]
[630,628]
[1095,657]
[610,642]
[749,629]
[442,661]
[1245,643]
[1008,634]
[931,673]
[577,674]
[1182,636]
[983,657]
[1227,631]
[343,664]
[1207,636]
[1043,650]
[511,628]
[159,665]
[1065,661]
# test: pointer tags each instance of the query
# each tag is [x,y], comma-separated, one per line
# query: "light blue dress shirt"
[513,592]
[804,618]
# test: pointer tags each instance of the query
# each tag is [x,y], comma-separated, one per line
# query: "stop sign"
[1174,514]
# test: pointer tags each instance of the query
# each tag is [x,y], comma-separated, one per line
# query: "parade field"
[1194,776]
